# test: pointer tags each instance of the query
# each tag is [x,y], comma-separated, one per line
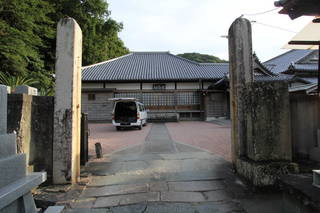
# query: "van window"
[125,112]
[140,107]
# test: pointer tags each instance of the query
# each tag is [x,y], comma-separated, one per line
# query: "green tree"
[25,32]
[28,36]
[100,33]
[24,29]
[202,58]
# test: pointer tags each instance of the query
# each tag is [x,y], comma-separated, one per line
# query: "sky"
[181,26]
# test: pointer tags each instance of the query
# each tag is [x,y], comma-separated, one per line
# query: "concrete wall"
[92,85]
[188,85]
[206,85]
[99,109]
[305,119]
[31,117]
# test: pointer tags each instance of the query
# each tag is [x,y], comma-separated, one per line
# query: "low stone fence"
[31,118]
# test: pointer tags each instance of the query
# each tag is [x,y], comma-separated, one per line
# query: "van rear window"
[125,112]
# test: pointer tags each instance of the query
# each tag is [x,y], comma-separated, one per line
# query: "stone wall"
[267,113]
[99,109]
[31,117]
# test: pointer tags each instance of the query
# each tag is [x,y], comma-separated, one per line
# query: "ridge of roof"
[258,65]
[149,52]
[185,59]
[210,64]
[103,62]
[278,56]
[301,59]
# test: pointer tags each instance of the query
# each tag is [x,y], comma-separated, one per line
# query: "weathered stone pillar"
[261,145]
[67,112]
[241,72]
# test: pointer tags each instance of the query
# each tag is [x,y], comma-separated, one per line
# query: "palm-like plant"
[14,81]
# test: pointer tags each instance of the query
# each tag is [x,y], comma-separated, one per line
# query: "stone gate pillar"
[260,115]
[67,112]
[241,72]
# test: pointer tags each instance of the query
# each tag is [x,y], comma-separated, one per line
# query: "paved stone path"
[158,176]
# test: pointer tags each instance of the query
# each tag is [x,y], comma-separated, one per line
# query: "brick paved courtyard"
[112,140]
[208,136]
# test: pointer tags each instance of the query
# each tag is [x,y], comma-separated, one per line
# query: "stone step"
[12,169]
[16,189]
[8,145]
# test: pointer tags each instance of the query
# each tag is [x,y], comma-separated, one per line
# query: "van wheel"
[118,128]
[140,127]
[145,123]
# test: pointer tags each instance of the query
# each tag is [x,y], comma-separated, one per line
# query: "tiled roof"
[280,77]
[305,67]
[311,79]
[282,62]
[153,66]
[163,66]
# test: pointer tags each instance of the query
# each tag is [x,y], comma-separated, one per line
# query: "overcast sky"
[181,26]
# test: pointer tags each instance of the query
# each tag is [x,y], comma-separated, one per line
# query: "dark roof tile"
[152,66]
[282,62]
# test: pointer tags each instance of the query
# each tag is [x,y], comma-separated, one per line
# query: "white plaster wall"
[92,85]
[188,85]
[206,85]
[123,86]
[295,84]
[148,86]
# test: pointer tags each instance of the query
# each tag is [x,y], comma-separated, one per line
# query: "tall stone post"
[260,115]
[241,72]
[67,112]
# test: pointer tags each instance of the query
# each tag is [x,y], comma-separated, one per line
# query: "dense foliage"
[202,58]
[28,31]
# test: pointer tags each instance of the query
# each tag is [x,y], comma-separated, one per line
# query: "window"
[91,97]
[159,86]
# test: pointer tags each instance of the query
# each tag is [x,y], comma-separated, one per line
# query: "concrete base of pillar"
[263,174]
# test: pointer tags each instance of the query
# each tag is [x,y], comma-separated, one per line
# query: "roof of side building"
[282,62]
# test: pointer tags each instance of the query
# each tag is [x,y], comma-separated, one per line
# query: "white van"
[128,112]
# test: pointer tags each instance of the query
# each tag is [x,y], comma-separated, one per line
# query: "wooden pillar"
[241,73]
[67,112]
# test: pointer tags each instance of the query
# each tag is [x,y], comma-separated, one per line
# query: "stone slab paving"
[174,178]
[191,186]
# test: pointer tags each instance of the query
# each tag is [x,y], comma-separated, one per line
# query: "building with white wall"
[171,87]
